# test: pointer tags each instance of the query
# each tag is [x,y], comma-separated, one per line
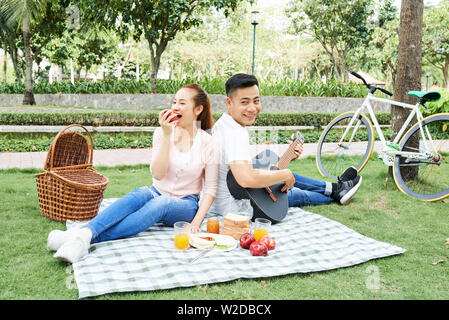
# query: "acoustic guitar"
[269,202]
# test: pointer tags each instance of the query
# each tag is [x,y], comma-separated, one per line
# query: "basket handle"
[52,146]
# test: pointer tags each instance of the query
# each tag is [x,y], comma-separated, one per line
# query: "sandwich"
[224,242]
[201,241]
[207,241]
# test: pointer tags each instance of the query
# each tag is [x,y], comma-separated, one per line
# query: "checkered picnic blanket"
[149,261]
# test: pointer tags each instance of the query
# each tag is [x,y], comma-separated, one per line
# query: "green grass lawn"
[379,211]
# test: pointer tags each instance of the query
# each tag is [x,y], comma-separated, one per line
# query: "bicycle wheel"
[332,157]
[425,178]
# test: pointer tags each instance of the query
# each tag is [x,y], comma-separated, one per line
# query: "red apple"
[178,116]
[246,239]
[268,241]
[257,248]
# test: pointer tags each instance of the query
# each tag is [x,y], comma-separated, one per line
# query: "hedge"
[41,141]
[101,141]
[150,119]
[276,87]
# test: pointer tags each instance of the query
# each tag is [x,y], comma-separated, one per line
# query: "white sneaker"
[72,250]
[350,190]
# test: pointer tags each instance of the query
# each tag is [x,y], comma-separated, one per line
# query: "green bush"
[439,106]
[41,142]
[313,88]
[150,119]
[96,118]
[282,87]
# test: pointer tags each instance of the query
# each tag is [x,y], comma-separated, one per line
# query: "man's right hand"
[290,182]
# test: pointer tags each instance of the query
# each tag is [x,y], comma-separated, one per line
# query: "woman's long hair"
[201,98]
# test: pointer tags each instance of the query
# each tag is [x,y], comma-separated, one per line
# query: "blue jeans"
[139,210]
[308,192]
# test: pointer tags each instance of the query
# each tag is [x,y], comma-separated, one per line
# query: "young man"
[243,102]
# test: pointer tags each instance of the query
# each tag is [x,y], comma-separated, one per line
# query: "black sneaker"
[349,174]
[345,190]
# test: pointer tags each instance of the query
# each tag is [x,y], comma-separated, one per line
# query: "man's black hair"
[240,80]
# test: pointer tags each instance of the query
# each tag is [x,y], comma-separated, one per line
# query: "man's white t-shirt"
[233,142]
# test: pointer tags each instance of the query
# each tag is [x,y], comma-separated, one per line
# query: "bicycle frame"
[415,111]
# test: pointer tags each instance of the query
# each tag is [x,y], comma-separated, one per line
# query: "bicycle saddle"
[427,96]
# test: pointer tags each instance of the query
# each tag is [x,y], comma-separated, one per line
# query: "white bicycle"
[419,156]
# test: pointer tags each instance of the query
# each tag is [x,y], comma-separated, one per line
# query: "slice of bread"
[236,220]
[236,233]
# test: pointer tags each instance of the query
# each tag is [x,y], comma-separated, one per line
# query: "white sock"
[72,250]
[85,234]
[56,238]
[76,247]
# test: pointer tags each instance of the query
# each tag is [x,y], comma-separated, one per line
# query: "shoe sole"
[348,196]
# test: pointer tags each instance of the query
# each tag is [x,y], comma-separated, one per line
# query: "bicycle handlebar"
[373,88]
[385,91]
[355,74]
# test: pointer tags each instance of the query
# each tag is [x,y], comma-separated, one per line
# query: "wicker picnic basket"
[69,188]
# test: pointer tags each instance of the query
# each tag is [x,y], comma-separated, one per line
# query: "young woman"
[184,163]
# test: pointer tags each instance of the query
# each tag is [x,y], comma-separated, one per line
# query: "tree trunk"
[344,72]
[72,72]
[28,97]
[153,74]
[14,58]
[155,63]
[445,73]
[408,75]
[5,65]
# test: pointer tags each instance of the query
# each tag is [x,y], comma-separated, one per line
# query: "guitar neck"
[288,155]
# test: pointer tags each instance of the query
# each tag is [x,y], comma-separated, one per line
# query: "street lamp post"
[254,23]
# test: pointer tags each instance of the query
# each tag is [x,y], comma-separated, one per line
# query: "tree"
[158,20]
[25,13]
[408,76]
[436,39]
[382,53]
[8,39]
[339,26]
[195,53]
[87,48]
[45,16]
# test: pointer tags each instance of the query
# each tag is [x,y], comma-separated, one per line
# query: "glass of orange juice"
[213,225]
[261,228]
[182,232]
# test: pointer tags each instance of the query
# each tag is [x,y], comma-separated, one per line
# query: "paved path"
[125,156]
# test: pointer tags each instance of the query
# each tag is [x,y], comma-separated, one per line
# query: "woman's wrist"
[166,133]
[197,221]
